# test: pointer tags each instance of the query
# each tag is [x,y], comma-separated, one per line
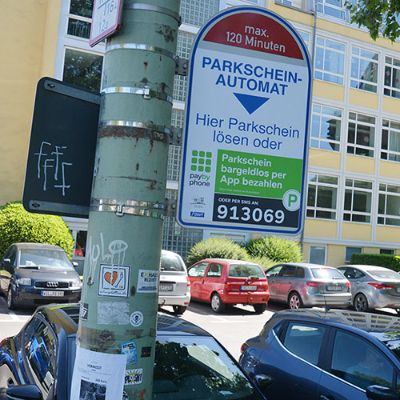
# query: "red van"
[224,282]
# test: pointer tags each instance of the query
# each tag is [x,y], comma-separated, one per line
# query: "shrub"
[274,248]
[18,225]
[216,248]
[264,262]
[382,260]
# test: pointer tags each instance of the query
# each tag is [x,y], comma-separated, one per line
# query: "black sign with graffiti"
[62,148]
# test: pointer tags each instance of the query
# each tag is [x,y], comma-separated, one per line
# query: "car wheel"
[294,301]
[179,310]
[360,303]
[217,304]
[260,308]
[10,299]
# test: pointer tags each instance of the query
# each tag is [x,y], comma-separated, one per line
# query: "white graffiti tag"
[114,254]
[52,160]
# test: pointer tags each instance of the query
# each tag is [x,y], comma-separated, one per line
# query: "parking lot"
[231,328]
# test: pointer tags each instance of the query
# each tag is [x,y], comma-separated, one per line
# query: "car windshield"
[326,273]
[44,258]
[384,274]
[171,262]
[245,271]
[197,368]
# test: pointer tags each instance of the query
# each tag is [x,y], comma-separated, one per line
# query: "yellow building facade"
[353,200]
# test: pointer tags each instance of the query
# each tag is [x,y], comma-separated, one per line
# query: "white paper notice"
[98,375]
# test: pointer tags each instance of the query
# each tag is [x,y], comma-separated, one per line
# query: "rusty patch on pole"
[133,132]
[167,32]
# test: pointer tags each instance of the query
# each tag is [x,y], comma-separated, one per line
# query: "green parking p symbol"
[291,200]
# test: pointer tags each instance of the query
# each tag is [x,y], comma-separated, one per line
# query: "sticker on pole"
[246,125]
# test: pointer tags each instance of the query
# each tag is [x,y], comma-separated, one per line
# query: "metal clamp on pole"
[154,8]
[138,208]
[145,91]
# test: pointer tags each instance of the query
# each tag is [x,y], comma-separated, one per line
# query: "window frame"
[315,209]
[320,115]
[389,131]
[390,90]
[382,218]
[323,73]
[353,147]
[358,82]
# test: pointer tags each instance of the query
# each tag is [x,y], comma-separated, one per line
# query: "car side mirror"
[24,392]
[376,392]
[6,262]
[263,381]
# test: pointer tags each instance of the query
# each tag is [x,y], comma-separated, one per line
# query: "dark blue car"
[333,355]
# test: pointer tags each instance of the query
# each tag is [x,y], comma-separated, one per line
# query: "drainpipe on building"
[119,301]
[305,189]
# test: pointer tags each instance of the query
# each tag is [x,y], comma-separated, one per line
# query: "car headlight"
[24,281]
[77,283]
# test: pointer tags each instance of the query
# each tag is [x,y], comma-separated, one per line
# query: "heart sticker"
[111,278]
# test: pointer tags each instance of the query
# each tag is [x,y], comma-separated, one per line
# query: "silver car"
[174,285]
[373,287]
[308,285]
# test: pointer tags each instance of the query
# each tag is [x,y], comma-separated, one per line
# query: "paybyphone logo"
[200,168]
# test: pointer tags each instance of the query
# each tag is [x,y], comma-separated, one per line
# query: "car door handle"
[323,397]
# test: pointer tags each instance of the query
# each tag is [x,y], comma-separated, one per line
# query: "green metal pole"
[119,296]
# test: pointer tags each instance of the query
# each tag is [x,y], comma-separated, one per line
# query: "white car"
[174,285]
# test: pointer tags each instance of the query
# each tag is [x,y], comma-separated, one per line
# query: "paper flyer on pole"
[98,375]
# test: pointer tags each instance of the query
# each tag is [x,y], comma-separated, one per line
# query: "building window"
[386,251]
[364,69]
[361,134]
[357,201]
[292,3]
[317,254]
[392,77]
[389,205]
[390,140]
[80,18]
[326,127]
[184,46]
[329,60]
[197,12]
[83,69]
[322,195]
[175,237]
[332,8]
[350,251]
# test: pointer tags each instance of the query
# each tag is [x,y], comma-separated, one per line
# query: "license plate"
[334,288]
[166,287]
[52,293]
[248,288]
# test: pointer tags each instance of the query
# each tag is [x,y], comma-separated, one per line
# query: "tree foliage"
[18,225]
[380,17]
